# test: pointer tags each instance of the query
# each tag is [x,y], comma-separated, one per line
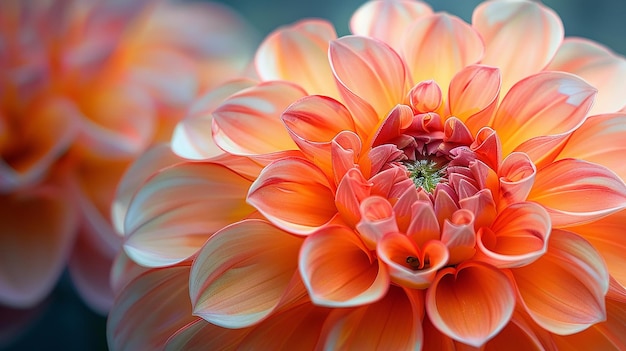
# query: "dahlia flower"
[85,87]
[422,184]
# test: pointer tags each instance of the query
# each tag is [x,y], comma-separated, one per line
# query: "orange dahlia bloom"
[422,184]
[85,87]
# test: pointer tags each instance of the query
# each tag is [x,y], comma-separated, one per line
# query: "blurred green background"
[64,323]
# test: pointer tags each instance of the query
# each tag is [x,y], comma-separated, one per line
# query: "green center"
[425,173]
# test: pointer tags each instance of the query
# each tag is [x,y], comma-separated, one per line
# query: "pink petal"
[517,237]
[351,191]
[424,224]
[563,291]
[295,195]
[243,273]
[516,177]
[387,20]
[600,139]
[459,236]
[371,78]
[487,147]
[393,323]
[513,27]
[248,122]
[377,219]
[409,265]
[179,208]
[575,191]
[339,270]
[438,46]
[193,137]
[425,97]
[597,65]
[473,95]
[124,271]
[150,309]
[470,303]
[299,54]
[548,103]
[37,233]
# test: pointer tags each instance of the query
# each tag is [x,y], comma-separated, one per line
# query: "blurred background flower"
[63,310]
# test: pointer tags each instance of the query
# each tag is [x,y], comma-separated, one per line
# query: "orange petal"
[470,303]
[518,335]
[163,295]
[339,270]
[424,225]
[248,122]
[438,46]
[517,237]
[295,195]
[393,323]
[243,273]
[487,147]
[377,219]
[345,150]
[548,103]
[38,228]
[151,161]
[516,176]
[459,236]
[563,291]
[368,73]
[598,66]
[473,95]
[299,54]
[387,20]
[575,191]
[600,139]
[513,27]
[352,189]
[179,208]
[408,265]
[202,335]
[193,137]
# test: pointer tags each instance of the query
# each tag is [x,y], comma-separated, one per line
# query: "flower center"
[426,174]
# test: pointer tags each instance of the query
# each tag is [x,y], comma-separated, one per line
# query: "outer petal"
[202,335]
[37,232]
[248,122]
[150,309]
[387,20]
[438,46]
[470,303]
[575,191]
[393,323]
[339,271]
[179,208]
[371,78]
[299,54]
[243,273]
[548,103]
[598,66]
[518,236]
[294,194]
[513,27]
[563,291]
[601,139]
[193,137]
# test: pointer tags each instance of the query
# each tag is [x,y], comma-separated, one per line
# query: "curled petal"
[172,215]
[339,270]
[248,122]
[470,303]
[482,206]
[511,27]
[243,273]
[516,176]
[345,150]
[299,54]
[377,219]
[371,77]
[387,20]
[473,95]
[598,66]
[392,323]
[425,97]
[395,123]
[293,194]
[438,46]
[600,139]
[517,237]
[563,291]
[545,104]
[459,236]
[409,265]
[575,191]
[352,189]
[424,224]
[193,137]
[487,147]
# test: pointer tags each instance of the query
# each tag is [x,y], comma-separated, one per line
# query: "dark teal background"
[66,324]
